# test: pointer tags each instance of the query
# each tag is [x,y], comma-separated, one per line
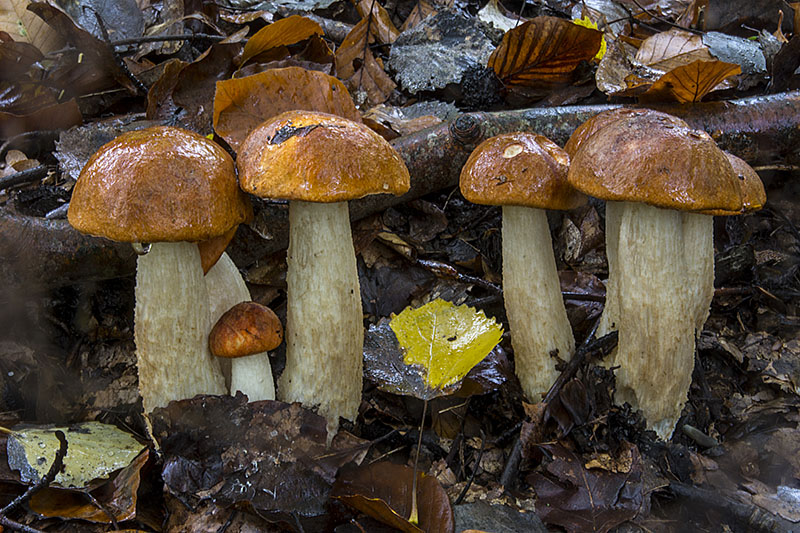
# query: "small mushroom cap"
[246,328]
[159,184]
[656,159]
[522,169]
[753,194]
[317,157]
[599,121]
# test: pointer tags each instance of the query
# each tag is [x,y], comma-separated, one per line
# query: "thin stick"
[414,518]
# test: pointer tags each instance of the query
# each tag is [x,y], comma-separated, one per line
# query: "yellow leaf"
[587,23]
[445,339]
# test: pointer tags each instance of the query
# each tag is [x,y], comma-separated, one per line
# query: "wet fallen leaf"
[445,340]
[241,104]
[16,58]
[381,26]
[383,491]
[95,450]
[543,54]
[117,498]
[359,69]
[269,455]
[25,26]
[690,83]
[282,33]
[422,9]
[582,499]
[97,60]
[672,48]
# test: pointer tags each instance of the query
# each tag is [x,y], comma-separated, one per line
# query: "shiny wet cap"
[656,159]
[753,194]
[317,157]
[159,184]
[522,169]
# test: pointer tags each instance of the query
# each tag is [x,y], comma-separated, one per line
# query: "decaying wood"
[761,130]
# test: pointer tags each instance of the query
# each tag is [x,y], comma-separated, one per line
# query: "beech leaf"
[543,53]
[445,340]
[381,27]
[383,491]
[241,104]
[690,83]
[359,69]
[94,451]
[283,32]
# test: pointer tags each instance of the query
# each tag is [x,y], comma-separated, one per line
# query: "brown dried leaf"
[359,69]
[50,117]
[24,26]
[579,499]
[16,58]
[543,53]
[241,104]
[118,496]
[284,32]
[673,48]
[690,83]
[97,56]
[381,26]
[383,491]
[422,10]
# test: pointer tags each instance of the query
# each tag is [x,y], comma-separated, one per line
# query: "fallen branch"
[761,130]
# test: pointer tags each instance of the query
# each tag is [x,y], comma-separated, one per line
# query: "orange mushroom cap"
[245,329]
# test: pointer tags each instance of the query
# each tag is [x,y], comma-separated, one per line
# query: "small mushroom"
[318,162]
[172,188]
[245,333]
[526,174]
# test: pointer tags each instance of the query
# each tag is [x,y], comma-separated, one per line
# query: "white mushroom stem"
[251,374]
[609,317]
[324,324]
[698,242]
[534,305]
[655,353]
[171,327]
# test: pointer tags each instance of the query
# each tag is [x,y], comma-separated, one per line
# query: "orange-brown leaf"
[543,52]
[381,26]
[383,491]
[368,74]
[422,10]
[241,104]
[690,83]
[284,32]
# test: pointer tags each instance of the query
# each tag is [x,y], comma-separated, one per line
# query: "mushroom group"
[164,189]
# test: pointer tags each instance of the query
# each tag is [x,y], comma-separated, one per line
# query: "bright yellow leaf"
[587,23]
[447,340]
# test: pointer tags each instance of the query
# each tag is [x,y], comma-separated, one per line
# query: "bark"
[760,130]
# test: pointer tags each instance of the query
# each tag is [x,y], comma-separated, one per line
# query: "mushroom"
[651,167]
[245,333]
[253,374]
[164,189]
[319,162]
[526,174]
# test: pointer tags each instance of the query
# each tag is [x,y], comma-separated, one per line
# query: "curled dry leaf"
[690,83]
[543,54]
[241,104]
[16,58]
[51,117]
[284,32]
[383,491]
[359,69]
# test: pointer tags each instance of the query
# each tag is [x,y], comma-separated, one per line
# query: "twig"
[165,38]
[474,471]
[48,478]
[665,21]
[23,177]
[748,515]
